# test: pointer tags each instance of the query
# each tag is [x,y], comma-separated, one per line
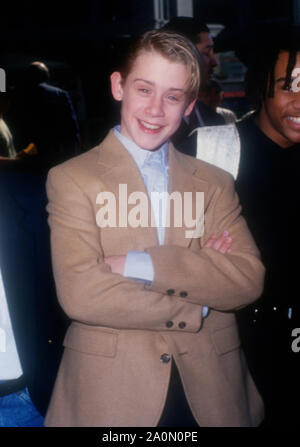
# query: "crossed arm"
[92,292]
[221,244]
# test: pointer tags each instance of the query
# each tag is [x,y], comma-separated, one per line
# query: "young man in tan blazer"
[153,339]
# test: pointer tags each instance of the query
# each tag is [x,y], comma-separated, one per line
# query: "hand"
[221,243]
[116,263]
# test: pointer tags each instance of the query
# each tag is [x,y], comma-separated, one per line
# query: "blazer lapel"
[121,176]
[185,180]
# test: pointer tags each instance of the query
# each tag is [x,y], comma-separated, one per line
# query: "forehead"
[153,67]
[282,62]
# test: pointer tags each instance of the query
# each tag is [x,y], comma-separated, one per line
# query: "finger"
[220,240]
[225,246]
[209,243]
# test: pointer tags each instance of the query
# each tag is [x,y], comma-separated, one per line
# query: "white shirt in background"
[10,366]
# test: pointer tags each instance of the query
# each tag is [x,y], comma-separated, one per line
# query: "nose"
[155,107]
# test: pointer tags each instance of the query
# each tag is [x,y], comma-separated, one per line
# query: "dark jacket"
[209,117]
[44,115]
[37,321]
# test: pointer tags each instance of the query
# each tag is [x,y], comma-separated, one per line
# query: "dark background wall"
[81,41]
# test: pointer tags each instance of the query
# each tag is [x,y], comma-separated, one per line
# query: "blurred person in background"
[202,115]
[212,95]
[7,148]
[31,322]
[43,114]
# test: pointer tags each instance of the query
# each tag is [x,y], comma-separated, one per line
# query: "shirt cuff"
[138,266]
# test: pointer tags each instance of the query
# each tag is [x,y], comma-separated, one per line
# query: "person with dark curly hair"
[268,185]
[262,151]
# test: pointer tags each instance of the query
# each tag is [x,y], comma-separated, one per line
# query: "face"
[279,117]
[206,49]
[212,97]
[154,99]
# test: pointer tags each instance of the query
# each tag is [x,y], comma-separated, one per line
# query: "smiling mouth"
[149,126]
[294,119]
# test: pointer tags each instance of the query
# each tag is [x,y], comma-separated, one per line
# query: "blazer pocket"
[226,339]
[95,341]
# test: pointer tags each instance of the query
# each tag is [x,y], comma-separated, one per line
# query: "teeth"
[149,126]
[295,119]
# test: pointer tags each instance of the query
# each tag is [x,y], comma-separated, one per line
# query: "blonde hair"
[172,46]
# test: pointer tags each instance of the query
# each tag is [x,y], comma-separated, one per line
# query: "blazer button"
[169,323]
[170,292]
[182,324]
[183,294]
[165,358]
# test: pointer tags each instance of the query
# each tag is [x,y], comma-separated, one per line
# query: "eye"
[144,91]
[292,87]
[288,88]
[173,98]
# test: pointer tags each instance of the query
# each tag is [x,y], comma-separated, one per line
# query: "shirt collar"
[138,154]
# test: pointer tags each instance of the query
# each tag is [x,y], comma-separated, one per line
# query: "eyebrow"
[153,84]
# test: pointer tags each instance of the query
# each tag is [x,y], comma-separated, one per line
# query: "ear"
[116,85]
[189,108]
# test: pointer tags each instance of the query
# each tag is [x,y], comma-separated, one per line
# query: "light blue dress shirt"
[154,169]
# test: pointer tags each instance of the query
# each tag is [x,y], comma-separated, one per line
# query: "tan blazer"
[112,373]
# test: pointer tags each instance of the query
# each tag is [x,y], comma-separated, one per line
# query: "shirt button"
[183,294]
[170,292]
[182,324]
[169,323]
[165,358]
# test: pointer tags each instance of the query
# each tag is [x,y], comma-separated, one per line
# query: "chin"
[150,145]
[294,138]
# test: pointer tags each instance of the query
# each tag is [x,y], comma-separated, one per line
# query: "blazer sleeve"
[224,282]
[87,289]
